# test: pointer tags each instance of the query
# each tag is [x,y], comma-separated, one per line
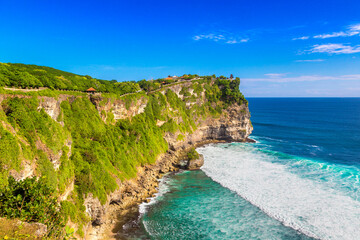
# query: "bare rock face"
[118,107]
[52,105]
[94,209]
[27,171]
[233,125]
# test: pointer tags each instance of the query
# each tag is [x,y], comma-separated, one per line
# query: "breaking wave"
[316,198]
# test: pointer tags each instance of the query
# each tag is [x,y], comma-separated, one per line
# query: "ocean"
[300,180]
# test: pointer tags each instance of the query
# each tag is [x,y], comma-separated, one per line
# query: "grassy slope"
[33,76]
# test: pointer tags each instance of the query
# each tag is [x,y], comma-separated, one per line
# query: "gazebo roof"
[91,90]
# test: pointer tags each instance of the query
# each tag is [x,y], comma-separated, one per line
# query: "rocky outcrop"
[194,164]
[233,125]
[120,108]
[51,105]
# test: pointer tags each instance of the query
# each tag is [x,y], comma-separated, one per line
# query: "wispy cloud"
[310,60]
[334,34]
[304,78]
[210,36]
[301,38]
[275,75]
[234,41]
[224,38]
[334,48]
[352,30]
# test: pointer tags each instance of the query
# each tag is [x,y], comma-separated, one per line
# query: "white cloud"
[310,60]
[334,48]
[352,31]
[355,27]
[301,38]
[220,38]
[330,35]
[234,41]
[275,75]
[305,78]
[210,36]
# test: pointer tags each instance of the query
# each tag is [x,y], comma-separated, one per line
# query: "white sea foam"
[162,189]
[311,206]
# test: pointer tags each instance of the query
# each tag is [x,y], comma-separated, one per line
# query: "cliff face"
[103,155]
[118,108]
[233,125]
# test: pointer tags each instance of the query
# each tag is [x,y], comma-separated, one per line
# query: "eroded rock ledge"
[233,125]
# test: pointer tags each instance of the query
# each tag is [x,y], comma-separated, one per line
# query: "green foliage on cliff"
[33,76]
[192,154]
[80,147]
[31,200]
[230,92]
[32,124]
[9,154]
[226,91]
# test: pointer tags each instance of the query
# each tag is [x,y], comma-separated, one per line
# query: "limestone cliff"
[104,154]
[233,125]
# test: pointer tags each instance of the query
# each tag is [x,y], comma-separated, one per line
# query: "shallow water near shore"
[196,207]
[300,180]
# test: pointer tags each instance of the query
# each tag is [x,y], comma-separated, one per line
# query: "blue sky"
[278,48]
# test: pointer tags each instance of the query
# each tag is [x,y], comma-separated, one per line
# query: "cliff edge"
[98,155]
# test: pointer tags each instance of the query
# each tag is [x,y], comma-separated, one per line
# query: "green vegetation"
[230,91]
[88,151]
[192,154]
[180,137]
[11,229]
[31,201]
[33,76]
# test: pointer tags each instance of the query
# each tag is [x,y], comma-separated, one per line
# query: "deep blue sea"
[300,180]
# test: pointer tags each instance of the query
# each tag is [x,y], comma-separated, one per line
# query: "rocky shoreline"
[123,205]
[129,227]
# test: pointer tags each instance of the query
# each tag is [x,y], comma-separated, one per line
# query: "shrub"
[31,201]
[192,154]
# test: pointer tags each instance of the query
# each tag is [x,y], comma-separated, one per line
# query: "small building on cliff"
[91,90]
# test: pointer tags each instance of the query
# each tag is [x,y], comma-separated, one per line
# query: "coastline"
[127,213]
[121,220]
[123,204]
[129,226]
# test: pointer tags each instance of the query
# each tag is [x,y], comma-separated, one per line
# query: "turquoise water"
[196,207]
[300,180]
